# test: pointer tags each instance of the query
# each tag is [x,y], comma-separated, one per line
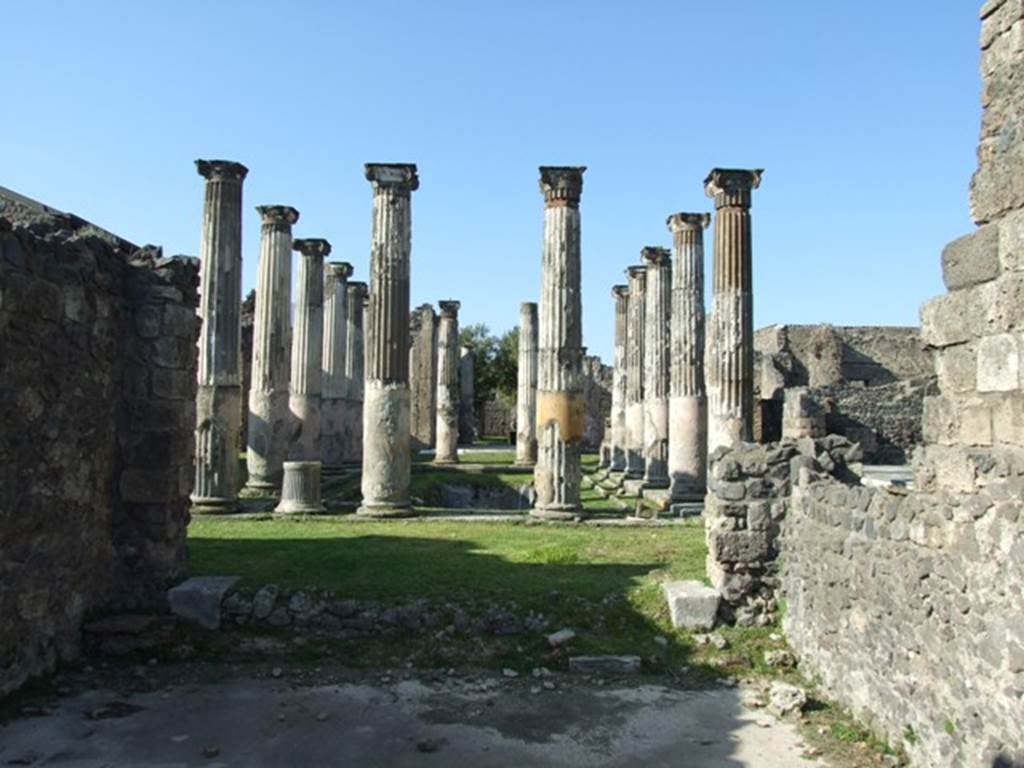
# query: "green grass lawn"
[424,558]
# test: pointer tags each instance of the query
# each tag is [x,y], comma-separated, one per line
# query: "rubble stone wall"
[597,401]
[97,390]
[907,609]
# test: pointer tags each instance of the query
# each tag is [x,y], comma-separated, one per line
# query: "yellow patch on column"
[566,408]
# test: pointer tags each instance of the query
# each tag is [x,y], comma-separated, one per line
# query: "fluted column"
[386,427]
[219,397]
[271,350]
[333,366]
[729,362]
[635,372]
[657,307]
[687,404]
[526,387]
[423,348]
[617,460]
[351,428]
[307,351]
[557,475]
[448,393]
[467,395]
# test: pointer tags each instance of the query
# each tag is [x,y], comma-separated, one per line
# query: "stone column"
[687,404]
[355,357]
[730,343]
[448,394]
[300,491]
[386,436]
[617,460]
[657,308]
[557,475]
[467,395]
[307,351]
[526,387]
[334,366]
[423,376]
[635,373]
[219,397]
[271,350]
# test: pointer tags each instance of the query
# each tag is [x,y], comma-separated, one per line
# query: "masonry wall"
[97,381]
[597,401]
[908,609]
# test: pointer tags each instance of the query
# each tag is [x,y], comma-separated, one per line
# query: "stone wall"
[907,609]
[423,328]
[496,418]
[97,390]
[827,355]
[885,591]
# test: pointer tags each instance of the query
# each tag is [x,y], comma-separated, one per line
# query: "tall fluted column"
[448,393]
[355,358]
[423,363]
[687,404]
[557,475]
[730,349]
[467,395]
[635,372]
[526,387]
[334,366]
[386,428]
[219,398]
[617,462]
[307,350]
[271,350]
[657,307]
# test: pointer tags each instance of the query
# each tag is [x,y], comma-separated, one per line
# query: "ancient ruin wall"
[907,608]
[97,389]
[597,401]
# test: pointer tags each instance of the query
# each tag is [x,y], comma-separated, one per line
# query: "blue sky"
[864,114]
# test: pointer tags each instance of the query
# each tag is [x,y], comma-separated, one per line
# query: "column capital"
[562,185]
[312,246]
[221,170]
[401,177]
[281,215]
[620,291]
[656,256]
[636,272]
[449,307]
[339,270]
[731,186]
[358,289]
[688,221]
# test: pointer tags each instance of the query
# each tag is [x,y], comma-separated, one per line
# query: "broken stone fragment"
[199,599]
[691,604]
[561,637]
[784,698]
[609,665]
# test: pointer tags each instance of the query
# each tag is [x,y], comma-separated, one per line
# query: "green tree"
[495,364]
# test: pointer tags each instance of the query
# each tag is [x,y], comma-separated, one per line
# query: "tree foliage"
[496,363]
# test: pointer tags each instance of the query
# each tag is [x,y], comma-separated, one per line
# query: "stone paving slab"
[262,723]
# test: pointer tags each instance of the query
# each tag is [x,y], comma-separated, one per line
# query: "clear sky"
[863,113]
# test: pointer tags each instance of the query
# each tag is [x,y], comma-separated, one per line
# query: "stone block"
[956,317]
[740,546]
[957,368]
[1011,241]
[198,599]
[605,665]
[971,259]
[1008,419]
[975,426]
[998,366]
[691,604]
[938,420]
[147,322]
[149,486]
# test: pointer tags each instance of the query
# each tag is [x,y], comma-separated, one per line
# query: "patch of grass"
[403,560]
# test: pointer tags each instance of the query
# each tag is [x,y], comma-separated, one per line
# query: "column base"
[558,513]
[655,484]
[444,462]
[261,485]
[213,506]
[385,510]
[525,463]
[686,508]
[289,509]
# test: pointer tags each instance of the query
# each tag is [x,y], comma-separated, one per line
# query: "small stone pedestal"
[300,491]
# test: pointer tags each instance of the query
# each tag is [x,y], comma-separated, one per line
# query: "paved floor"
[483,723]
